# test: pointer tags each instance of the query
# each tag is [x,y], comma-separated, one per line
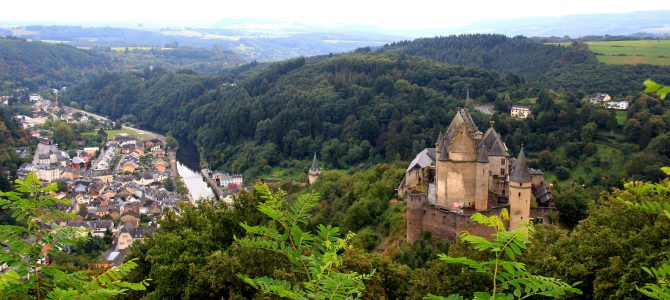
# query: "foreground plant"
[652,198]
[315,257]
[509,278]
[24,250]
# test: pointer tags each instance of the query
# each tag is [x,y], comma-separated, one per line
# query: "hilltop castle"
[469,172]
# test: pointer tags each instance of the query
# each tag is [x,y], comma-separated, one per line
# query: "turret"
[519,192]
[482,178]
[314,171]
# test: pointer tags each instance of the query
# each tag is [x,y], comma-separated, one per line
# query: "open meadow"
[654,52]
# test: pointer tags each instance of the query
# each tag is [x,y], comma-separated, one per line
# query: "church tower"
[314,171]
[519,192]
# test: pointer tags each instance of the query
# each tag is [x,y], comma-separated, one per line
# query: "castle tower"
[441,171]
[415,213]
[314,171]
[482,190]
[519,192]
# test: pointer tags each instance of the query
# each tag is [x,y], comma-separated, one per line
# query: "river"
[188,163]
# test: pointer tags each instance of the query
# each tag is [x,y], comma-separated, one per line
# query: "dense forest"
[11,136]
[497,52]
[572,68]
[349,108]
[34,64]
[174,58]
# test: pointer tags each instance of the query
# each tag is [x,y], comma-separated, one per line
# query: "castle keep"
[468,172]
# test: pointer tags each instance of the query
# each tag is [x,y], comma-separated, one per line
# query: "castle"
[469,172]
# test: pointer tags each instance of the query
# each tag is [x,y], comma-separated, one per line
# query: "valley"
[264,159]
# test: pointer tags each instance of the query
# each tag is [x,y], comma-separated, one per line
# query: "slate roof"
[315,164]
[425,158]
[520,169]
[482,154]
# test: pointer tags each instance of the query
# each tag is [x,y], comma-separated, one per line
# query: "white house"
[34,97]
[225,179]
[617,105]
[520,111]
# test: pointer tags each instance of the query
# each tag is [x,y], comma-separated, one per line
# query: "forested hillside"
[201,60]
[572,68]
[11,136]
[518,55]
[33,64]
[364,107]
[349,108]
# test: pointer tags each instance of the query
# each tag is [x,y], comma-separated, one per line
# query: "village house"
[98,228]
[600,98]
[226,179]
[520,111]
[623,105]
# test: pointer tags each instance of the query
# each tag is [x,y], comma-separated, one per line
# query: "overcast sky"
[391,14]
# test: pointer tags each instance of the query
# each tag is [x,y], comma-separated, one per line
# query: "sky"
[390,14]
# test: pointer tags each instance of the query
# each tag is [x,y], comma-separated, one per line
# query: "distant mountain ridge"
[576,25]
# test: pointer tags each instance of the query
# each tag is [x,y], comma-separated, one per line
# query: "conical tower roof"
[483,154]
[315,164]
[520,171]
[444,154]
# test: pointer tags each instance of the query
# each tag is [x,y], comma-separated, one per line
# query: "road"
[485,108]
[101,118]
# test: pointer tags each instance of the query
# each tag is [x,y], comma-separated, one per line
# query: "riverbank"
[215,187]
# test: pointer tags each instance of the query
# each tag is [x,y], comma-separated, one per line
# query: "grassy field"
[113,133]
[655,52]
[528,101]
[608,160]
[621,116]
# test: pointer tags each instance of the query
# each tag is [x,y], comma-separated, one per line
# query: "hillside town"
[118,188]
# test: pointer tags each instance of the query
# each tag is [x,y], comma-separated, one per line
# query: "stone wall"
[445,224]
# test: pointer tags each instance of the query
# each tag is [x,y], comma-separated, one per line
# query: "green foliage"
[36,64]
[31,242]
[315,257]
[661,289]
[572,205]
[659,89]
[193,255]
[510,278]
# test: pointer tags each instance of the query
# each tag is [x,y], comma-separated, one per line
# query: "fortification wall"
[445,224]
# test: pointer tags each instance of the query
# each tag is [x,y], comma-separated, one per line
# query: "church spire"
[314,172]
[520,171]
[315,164]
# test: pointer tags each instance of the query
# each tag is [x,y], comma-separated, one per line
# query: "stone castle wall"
[444,224]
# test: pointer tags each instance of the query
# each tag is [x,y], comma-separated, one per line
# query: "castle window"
[502,171]
[519,194]
[520,183]
[502,161]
